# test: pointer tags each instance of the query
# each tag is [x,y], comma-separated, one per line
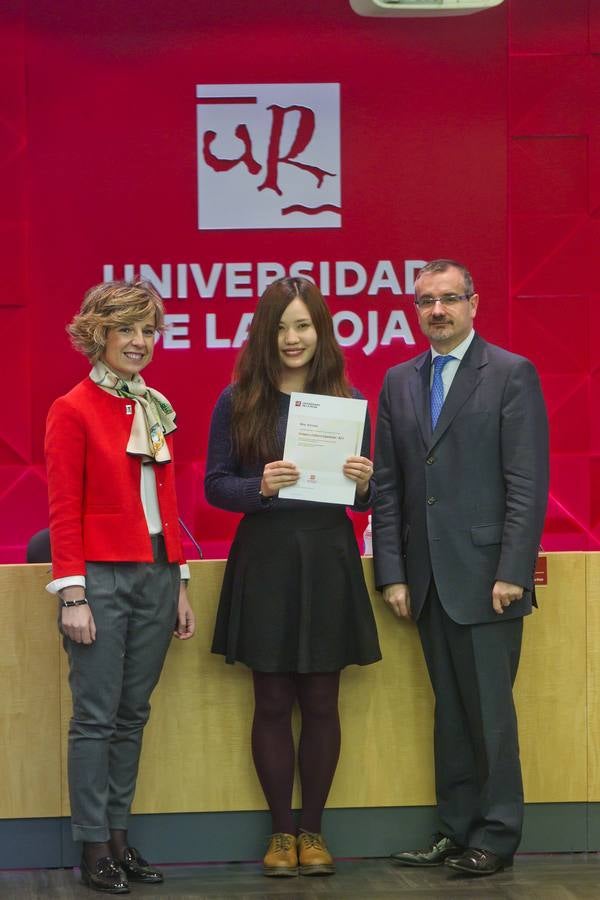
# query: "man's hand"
[77,623]
[186,621]
[398,597]
[503,594]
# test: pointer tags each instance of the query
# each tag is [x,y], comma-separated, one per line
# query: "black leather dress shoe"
[435,855]
[138,869]
[479,862]
[106,876]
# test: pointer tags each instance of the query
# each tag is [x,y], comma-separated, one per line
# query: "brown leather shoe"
[313,855]
[281,857]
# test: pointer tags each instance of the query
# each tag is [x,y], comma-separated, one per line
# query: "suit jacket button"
[430,460]
[431,501]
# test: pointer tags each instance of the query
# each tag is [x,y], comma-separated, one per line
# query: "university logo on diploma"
[268,156]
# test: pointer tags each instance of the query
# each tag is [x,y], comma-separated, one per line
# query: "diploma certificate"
[322,432]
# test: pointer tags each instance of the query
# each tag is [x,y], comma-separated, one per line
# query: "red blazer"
[96,510]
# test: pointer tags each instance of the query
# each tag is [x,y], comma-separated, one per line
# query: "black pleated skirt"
[294,597]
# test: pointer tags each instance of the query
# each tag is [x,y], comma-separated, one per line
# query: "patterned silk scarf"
[154,417]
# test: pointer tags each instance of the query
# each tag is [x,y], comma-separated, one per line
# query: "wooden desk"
[196,754]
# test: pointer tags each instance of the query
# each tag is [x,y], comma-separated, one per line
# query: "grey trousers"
[135,608]
[476,745]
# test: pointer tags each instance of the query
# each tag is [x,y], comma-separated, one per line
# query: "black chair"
[38,547]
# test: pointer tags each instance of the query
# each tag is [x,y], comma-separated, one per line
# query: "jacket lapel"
[468,376]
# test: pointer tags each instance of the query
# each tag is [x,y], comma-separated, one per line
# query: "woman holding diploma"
[294,606]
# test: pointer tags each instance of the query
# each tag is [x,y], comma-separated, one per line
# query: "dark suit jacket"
[465,504]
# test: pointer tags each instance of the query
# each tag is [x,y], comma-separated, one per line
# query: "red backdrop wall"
[472,137]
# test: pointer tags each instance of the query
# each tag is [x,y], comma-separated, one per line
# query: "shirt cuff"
[184,572]
[68,581]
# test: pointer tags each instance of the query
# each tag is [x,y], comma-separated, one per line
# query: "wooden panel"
[202,712]
[386,714]
[29,719]
[196,754]
[387,711]
[197,746]
[65,714]
[551,687]
[593,673]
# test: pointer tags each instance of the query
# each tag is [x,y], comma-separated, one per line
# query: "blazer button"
[430,460]
[431,501]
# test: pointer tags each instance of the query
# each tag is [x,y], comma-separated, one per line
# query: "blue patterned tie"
[437,388]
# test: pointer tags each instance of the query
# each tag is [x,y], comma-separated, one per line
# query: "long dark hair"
[257,371]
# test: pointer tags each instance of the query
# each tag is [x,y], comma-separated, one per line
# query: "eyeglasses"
[428,302]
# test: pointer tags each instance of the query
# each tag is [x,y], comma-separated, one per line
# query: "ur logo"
[268,156]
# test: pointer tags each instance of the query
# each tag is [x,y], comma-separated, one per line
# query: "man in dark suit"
[461,465]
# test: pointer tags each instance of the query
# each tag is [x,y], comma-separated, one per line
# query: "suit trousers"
[472,668]
[135,609]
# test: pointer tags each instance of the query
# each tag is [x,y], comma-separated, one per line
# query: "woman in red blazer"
[117,566]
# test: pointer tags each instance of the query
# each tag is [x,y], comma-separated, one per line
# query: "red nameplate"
[540,576]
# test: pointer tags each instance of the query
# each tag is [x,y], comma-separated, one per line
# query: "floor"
[534,877]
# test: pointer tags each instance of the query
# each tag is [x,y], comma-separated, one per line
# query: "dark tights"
[116,846]
[273,744]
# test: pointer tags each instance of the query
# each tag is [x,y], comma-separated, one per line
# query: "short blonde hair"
[109,305]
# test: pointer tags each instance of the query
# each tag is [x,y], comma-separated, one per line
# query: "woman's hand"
[277,475]
[77,623]
[360,470]
[186,621]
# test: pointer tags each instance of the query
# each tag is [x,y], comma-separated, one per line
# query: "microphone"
[192,538]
